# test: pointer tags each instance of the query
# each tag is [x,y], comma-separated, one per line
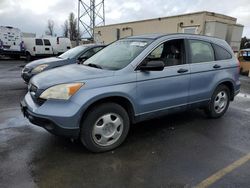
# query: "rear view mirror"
[152,66]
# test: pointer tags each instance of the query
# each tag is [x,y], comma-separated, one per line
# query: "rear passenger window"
[46,42]
[200,51]
[221,53]
[39,42]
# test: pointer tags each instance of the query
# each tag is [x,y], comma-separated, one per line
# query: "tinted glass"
[72,53]
[200,51]
[39,42]
[170,52]
[46,42]
[119,54]
[221,53]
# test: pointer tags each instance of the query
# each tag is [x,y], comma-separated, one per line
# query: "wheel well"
[230,87]
[125,103]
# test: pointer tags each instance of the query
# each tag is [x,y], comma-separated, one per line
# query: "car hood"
[68,74]
[49,60]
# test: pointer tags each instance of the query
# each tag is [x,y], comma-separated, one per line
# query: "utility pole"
[91,13]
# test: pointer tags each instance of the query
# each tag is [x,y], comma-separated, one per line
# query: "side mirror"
[152,66]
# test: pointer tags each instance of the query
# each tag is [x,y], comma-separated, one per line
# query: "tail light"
[34,48]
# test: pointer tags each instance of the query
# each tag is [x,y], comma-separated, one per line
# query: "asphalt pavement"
[181,150]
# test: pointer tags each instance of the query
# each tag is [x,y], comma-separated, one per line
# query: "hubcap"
[107,129]
[220,102]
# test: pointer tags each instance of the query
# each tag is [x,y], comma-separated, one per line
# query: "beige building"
[204,23]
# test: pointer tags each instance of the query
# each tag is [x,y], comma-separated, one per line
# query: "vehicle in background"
[244,59]
[59,44]
[11,43]
[132,80]
[37,47]
[75,55]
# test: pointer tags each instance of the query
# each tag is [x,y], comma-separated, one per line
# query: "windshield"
[72,53]
[119,54]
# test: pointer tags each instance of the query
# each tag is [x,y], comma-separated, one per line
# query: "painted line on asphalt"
[243,95]
[221,173]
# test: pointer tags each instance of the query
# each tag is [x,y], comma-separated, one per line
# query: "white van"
[59,44]
[11,41]
[37,47]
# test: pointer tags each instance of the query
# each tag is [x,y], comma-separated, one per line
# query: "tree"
[66,29]
[50,28]
[73,33]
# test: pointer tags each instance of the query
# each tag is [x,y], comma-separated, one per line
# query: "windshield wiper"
[93,65]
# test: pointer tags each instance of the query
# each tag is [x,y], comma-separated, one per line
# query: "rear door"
[162,90]
[39,48]
[47,47]
[204,70]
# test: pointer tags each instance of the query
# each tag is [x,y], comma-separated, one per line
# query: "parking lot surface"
[181,150]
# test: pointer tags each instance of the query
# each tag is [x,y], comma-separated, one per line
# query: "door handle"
[216,66]
[182,70]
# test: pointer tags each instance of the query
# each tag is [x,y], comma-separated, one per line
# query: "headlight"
[39,68]
[62,91]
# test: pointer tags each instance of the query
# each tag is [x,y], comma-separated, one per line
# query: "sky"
[32,15]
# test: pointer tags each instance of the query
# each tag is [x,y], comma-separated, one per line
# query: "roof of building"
[180,15]
[156,36]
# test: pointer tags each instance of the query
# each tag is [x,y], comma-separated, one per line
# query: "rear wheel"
[28,57]
[219,102]
[105,127]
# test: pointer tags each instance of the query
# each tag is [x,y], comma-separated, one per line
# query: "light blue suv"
[131,80]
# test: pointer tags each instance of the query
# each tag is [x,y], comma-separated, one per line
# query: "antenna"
[91,13]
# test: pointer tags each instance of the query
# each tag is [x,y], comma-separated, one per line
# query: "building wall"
[174,24]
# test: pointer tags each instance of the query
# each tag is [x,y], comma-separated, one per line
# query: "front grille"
[25,69]
[34,92]
[32,88]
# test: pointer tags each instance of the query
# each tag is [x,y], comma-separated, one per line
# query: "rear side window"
[221,53]
[39,42]
[200,51]
[46,42]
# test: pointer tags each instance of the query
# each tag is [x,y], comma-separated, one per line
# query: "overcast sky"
[32,15]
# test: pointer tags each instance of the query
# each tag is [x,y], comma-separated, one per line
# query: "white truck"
[45,46]
[11,43]
[59,44]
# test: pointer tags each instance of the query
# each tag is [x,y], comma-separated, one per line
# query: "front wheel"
[105,127]
[219,102]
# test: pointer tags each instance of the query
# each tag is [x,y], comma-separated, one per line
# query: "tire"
[105,127]
[28,57]
[219,102]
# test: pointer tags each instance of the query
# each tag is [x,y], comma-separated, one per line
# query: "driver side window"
[170,53]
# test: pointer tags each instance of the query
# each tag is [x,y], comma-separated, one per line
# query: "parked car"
[131,80]
[244,59]
[74,55]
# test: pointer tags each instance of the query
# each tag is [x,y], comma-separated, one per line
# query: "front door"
[162,90]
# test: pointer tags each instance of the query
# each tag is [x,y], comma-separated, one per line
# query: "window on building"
[190,30]
[200,51]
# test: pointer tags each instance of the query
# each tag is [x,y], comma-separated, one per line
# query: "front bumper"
[54,118]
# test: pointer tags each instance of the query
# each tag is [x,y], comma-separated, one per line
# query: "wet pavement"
[180,150]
